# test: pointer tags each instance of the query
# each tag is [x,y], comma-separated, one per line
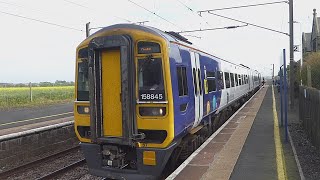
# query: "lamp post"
[301,47]
[272,71]
[292,78]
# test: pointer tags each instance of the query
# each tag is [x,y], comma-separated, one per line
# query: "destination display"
[148,47]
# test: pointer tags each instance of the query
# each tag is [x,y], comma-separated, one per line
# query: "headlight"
[152,111]
[83,109]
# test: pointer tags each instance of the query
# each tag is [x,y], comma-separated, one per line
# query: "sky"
[33,51]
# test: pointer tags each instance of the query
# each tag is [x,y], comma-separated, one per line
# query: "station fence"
[309,113]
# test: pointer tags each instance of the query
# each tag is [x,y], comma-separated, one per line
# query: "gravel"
[309,155]
[45,167]
[79,173]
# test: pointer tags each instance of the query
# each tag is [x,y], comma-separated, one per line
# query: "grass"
[14,97]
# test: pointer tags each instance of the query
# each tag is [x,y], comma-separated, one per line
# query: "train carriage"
[141,91]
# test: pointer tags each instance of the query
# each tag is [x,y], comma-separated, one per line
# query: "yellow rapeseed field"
[20,96]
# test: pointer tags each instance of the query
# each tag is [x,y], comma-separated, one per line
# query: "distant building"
[311,41]
[306,42]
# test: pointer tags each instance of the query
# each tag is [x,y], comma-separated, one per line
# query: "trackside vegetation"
[13,97]
[310,72]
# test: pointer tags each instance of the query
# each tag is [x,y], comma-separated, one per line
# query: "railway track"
[34,164]
[63,170]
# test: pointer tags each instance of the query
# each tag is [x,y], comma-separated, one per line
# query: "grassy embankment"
[14,97]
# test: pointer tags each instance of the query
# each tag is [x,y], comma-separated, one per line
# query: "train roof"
[169,36]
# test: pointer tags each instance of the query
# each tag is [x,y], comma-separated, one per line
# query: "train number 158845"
[151,96]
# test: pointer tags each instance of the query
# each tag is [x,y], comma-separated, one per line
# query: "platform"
[23,119]
[247,146]
[22,128]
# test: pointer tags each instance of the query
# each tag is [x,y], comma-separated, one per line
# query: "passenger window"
[227,79]
[200,84]
[232,79]
[236,79]
[182,81]
[239,79]
[211,80]
[220,79]
[242,77]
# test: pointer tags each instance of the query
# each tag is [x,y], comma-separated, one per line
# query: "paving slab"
[257,159]
[218,158]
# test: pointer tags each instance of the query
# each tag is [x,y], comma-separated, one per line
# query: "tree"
[311,66]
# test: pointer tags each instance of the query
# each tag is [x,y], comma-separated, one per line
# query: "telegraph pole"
[272,71]
[88,29]
[292,77]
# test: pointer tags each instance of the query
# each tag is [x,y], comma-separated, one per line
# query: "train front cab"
[126,125]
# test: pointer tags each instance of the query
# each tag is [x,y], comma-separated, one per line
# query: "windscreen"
[150,79]
[83,82]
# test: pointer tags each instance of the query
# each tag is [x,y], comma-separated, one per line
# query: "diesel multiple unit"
[144,97]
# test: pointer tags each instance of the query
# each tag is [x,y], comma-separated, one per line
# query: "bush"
[313,62]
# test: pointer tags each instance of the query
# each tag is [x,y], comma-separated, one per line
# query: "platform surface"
[17,117]
[257,159]
[247,147]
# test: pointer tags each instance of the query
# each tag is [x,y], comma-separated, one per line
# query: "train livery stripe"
[111,90]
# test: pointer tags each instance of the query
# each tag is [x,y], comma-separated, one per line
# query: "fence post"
[285,94]
[281,96]
[30,91]
[309,82]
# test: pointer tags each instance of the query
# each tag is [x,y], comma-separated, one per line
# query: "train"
[146,98]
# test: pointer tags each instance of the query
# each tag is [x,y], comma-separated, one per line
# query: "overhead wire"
[198,37]
[185,6]
[39,20]
[20,6]
[86,7]
[211,29]
[244,6]
[251,24]
[190,9]
[77,4]
[155,14]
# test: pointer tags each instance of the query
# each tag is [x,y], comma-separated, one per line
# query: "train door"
[198,91]
[111,91]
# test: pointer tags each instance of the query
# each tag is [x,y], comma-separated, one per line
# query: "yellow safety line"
[26,120]
[281,169]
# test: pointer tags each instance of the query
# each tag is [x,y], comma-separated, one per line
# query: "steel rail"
[32,164]
[63,170]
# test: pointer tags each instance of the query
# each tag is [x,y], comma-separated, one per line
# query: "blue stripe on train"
[183,120]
